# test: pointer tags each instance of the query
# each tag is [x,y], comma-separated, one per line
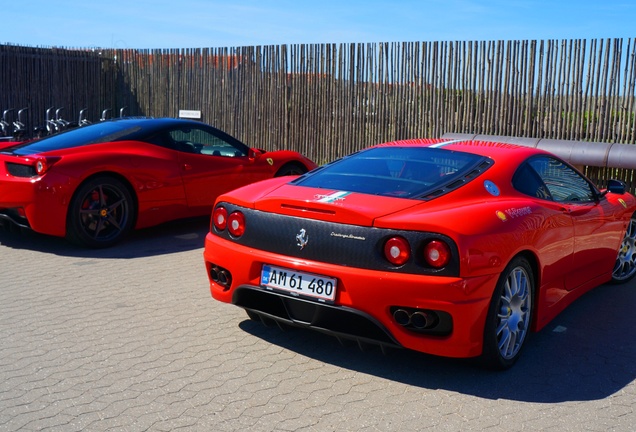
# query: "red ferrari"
[453,248]
[95,183]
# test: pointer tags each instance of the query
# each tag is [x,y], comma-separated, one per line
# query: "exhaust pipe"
[220,276]
[214,274]
[416,319]
[223,277]
[402,317]
[419,320]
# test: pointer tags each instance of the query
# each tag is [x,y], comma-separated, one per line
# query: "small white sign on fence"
[191,114]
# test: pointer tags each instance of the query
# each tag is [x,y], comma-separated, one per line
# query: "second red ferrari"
[95,183]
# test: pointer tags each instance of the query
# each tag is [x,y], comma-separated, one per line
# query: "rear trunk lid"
[331,205]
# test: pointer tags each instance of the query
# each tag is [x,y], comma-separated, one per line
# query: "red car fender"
[47,210]
[277,159]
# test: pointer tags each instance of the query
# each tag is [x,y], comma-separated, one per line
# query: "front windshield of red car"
[406,172]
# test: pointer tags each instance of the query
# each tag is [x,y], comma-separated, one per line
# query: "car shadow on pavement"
[586,353]
[171,237]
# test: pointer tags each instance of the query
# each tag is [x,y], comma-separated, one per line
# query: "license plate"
[299,283]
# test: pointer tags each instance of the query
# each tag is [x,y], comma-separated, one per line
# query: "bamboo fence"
[328,100]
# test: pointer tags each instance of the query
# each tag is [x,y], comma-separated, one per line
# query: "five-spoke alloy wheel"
[101,213]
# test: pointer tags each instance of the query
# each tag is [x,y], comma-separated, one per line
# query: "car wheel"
[101,213]
[291,169]
[509,315]
[625,267]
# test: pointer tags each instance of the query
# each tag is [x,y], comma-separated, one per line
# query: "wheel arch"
[291,164]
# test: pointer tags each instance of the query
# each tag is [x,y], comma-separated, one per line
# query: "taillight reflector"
[219,218]
[437,254]
[236,224]
[41,166]
[397,250]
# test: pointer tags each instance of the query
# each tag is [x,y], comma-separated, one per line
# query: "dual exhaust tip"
[418,319]
[220,276]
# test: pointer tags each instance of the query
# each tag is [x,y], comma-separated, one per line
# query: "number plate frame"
[305,284]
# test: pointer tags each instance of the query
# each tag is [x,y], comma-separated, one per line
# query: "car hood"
[331,205]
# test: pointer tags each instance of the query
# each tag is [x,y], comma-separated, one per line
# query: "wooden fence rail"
[327,100]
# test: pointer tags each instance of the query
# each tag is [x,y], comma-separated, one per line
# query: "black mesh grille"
[19,170]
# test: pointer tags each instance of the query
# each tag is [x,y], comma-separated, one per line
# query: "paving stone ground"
[129,339]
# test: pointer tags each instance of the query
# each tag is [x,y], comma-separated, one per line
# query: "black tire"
[101,213]
[509,315]
[291,169]
[625,267]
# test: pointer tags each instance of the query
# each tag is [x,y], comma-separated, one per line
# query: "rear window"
[406,172]
[93,134]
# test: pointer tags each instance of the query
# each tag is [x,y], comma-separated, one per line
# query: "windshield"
[406,172]
[93,134]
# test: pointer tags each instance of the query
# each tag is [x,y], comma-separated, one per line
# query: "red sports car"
[95,183]
[451,248]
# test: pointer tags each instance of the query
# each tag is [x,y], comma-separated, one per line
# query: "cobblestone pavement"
[129,339]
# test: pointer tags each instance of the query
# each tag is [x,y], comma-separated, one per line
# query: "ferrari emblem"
[270,161]
[302,239]
[501,215]
[622,201]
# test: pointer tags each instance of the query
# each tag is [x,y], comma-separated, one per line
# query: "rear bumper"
[339,321]
[366,301]
[12,215]
[39,204]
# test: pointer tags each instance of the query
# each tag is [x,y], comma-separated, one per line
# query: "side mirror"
[254,153]
[616,187]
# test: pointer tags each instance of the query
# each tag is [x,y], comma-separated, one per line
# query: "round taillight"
[219,218]
[40,166]
[236,224]
[437,254]
[397,250]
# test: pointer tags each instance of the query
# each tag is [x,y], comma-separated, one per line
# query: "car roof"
[135,128]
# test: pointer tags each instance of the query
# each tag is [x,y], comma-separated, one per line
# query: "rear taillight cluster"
[397,250]
[436,253]
[30,167]
[234,222]
[41,166]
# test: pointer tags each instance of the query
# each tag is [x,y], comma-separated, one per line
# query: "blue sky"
[231,23]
